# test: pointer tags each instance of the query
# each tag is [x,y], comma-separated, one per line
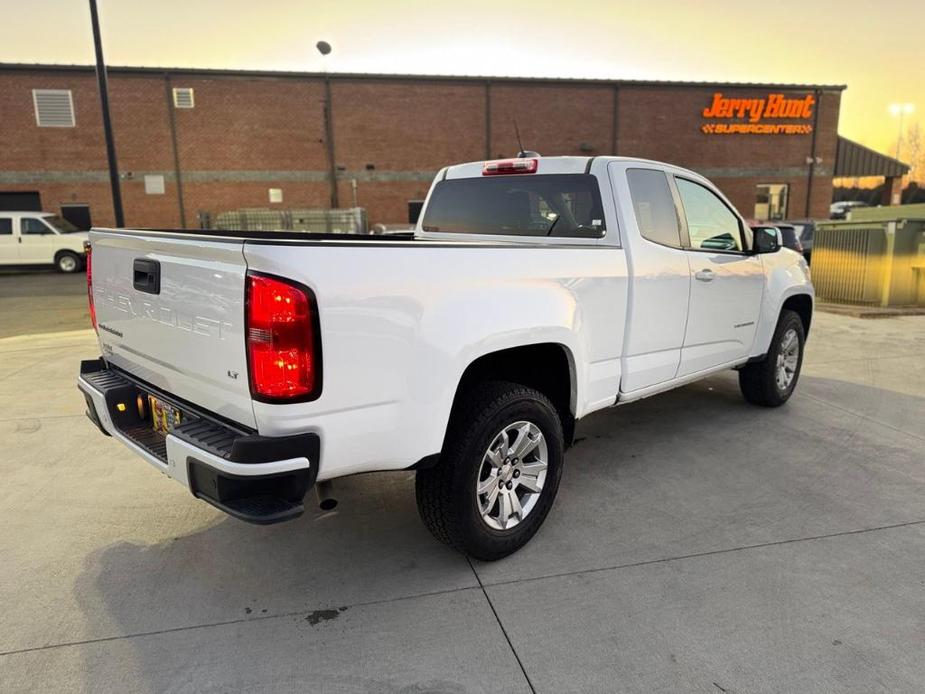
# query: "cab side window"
[653,205]
[31,225]
[711,224]
[6,226]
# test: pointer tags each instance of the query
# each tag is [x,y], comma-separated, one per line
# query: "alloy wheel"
[512,475]
[788,357]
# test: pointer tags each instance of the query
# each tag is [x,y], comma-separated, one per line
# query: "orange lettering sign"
[757,112]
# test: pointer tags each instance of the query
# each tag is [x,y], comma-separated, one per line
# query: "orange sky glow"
[874,49]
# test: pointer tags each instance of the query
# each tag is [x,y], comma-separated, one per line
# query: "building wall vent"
[183,97]
[54,108]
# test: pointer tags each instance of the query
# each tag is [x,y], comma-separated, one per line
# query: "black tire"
[66,261]
[758,381]
[446,496]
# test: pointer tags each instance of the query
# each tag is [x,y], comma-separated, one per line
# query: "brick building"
[190,141]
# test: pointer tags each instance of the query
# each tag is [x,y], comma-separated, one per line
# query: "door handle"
[705,275]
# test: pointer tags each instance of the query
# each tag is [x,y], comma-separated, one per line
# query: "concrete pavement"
[41,300]
[698,544]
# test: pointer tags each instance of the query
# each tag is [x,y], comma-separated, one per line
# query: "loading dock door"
[17,201]
[78,215]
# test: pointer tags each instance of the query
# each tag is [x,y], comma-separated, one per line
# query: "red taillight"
[510,166]
[283,353]
[89,254]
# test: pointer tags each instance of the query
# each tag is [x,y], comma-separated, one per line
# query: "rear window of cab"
[566,205]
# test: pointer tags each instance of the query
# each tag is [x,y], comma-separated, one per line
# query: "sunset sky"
[873,48]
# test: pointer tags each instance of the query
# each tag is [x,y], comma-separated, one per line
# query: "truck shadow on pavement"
[695,470]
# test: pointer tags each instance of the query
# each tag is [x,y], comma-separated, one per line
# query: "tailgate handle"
[147,276]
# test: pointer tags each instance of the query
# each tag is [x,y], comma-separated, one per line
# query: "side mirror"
[768,240]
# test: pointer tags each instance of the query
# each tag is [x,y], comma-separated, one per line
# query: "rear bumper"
[251,477]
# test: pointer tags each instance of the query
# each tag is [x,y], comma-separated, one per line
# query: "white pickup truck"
[250,367]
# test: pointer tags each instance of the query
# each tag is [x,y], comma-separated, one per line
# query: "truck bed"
[254,235]
[400,319]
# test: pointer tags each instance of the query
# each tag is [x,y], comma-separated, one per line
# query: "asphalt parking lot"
[698,545]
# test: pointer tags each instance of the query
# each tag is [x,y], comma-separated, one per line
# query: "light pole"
[107,123]
[324,48]
[900,110]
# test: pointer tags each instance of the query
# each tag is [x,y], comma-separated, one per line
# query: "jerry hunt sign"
[760,116]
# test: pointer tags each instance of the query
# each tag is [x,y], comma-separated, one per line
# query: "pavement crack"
[501,626]
[697,555]
[862,416]
[240,620]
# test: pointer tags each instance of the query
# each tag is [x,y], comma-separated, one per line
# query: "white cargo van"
[41,238]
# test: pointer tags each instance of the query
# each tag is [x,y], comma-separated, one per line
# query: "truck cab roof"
[558,165]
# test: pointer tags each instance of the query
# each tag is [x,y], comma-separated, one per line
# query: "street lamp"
[900,110]
[324,48]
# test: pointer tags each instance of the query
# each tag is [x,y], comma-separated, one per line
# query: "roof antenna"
[523,153]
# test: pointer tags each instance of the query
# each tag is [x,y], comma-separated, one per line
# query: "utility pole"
[324,48]
[107,123]
[900,110]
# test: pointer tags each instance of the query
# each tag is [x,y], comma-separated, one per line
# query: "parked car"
[806,231]
[788,233]
[840,210]
[41,238]
[533,292]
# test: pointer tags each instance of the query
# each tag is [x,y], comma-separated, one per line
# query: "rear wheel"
[498,474]
[771,381]
[66,261]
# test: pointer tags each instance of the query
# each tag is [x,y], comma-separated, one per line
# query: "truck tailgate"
[185,336]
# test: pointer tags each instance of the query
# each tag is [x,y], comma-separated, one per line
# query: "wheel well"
[545,367]
[802,305]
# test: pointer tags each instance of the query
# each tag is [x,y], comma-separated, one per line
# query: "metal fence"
[848,263]
[876,263]
[343,221]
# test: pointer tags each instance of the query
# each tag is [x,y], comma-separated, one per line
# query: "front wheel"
[66,261]
[498,474]
[771,382]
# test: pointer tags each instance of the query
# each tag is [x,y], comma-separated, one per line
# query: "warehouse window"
[771,201]
[54,108]
[183,97]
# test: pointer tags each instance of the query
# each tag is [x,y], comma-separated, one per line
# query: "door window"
[654,206]
[711,224]
[31,225]
[6,226]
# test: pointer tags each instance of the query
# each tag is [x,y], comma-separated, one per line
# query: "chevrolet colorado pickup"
[251,367]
